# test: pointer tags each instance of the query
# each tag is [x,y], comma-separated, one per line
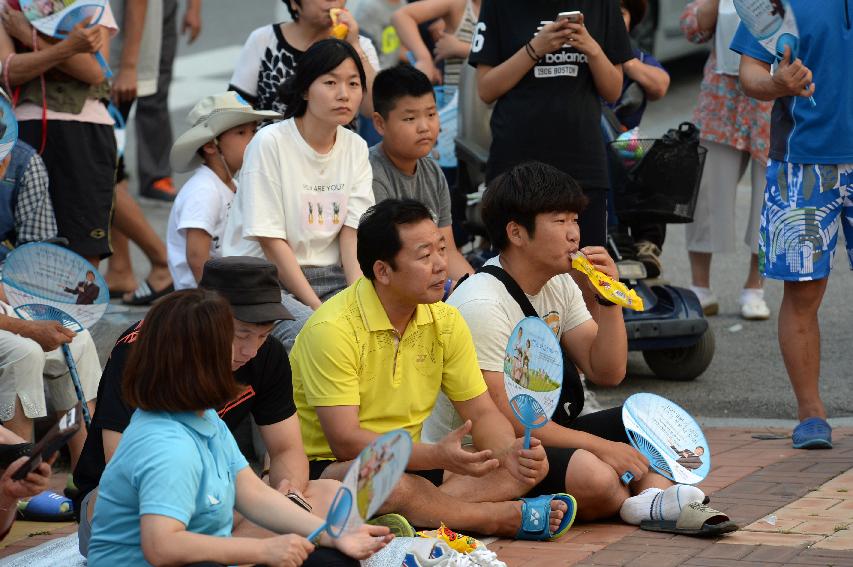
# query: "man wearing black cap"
[259,362]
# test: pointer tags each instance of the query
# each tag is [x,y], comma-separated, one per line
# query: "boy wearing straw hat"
[221,127]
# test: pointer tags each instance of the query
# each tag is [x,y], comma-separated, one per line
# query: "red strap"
[43,99]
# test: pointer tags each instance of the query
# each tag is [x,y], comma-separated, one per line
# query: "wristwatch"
[604,302]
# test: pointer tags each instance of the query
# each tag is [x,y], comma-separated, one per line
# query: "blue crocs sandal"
[812,433]
[46,507]
[535,514]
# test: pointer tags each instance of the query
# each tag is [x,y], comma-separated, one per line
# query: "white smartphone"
[573,16]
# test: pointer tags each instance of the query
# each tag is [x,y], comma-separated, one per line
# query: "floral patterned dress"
[725,114]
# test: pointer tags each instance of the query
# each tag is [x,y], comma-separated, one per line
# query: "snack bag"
[610,289]
[339,30]
[456,542]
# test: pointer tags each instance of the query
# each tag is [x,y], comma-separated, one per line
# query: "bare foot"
[120,282]
[158,279]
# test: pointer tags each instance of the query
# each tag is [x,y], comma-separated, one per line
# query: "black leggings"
[322,557]
[606,424]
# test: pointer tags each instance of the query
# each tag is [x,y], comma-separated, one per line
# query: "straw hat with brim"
[210,117]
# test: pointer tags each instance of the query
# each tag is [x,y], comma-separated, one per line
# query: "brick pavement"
[810,493]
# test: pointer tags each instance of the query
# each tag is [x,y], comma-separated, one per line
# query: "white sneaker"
[709,302]
[438,555]
[486,558]
[752,305]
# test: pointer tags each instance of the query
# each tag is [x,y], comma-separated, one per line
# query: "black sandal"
[145,294]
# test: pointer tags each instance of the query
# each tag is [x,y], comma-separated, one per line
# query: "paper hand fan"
[668,436]
[57,18]
[373,475]
[44,273]
[773,24]
[533,368]
[40,312]
[336,519]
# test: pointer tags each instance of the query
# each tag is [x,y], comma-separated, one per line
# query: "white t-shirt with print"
[203,203]
[492,314]
[290,191]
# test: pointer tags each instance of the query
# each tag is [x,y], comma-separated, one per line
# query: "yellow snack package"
[339,30]
[610,289]
[457,542]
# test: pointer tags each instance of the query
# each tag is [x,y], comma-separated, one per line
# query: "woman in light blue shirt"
[169,493]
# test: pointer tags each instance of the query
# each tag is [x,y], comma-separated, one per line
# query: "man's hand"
[526,465]
[50,335]
[191,25]
[448,46]
[793,78]
[623,458]
[452,457]
[124,85]
[34,483]
[428,68]
[601,260]
[363,541]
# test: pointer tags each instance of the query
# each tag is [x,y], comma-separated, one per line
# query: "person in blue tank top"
[169,493]
[809,184]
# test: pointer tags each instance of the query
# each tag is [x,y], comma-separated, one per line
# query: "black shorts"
[316,468]
[593,219]
[80,158]
[606,424]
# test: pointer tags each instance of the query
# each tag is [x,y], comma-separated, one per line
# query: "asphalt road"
[746,382]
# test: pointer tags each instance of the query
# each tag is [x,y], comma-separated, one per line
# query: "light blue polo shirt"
[800,132]
[179,465]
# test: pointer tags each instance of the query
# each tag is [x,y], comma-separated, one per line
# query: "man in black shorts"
[259,362]
[531,213]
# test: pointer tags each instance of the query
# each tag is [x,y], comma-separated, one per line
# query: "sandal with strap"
[145,294]
[812,433]
[536,513]
[47,506]
[695,520]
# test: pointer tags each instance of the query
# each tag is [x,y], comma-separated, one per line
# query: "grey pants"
[326,281]
[153,123]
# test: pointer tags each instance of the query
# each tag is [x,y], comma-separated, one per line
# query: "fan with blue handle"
[58,18]
[530,413]
[668,436]
[41,312]
[337,517]
[773,25]
[39,272]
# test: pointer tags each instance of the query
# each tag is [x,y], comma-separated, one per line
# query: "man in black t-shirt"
[259,363]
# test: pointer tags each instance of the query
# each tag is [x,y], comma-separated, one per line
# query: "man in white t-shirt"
[531,213]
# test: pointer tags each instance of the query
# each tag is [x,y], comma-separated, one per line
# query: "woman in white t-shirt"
[270,54]
[305,183]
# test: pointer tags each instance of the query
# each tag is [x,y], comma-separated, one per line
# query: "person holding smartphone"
[547,74]
[11,490]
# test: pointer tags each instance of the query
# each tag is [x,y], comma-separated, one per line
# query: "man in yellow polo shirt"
[373,359]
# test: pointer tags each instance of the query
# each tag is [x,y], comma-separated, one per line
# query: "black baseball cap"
[249,284]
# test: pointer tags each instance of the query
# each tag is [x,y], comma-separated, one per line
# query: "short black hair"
[294,15]
[321,58]
[524,191]
[394,83]
[637,9]
[378,235]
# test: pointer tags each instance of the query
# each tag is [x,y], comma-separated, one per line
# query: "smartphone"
[299,501]
[59,434]
[574,16]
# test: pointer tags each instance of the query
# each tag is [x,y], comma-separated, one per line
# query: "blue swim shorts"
[804,207]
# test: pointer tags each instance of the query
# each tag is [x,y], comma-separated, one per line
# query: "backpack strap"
[513,288]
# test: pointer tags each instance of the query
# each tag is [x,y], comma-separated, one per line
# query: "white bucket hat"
[210,117]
